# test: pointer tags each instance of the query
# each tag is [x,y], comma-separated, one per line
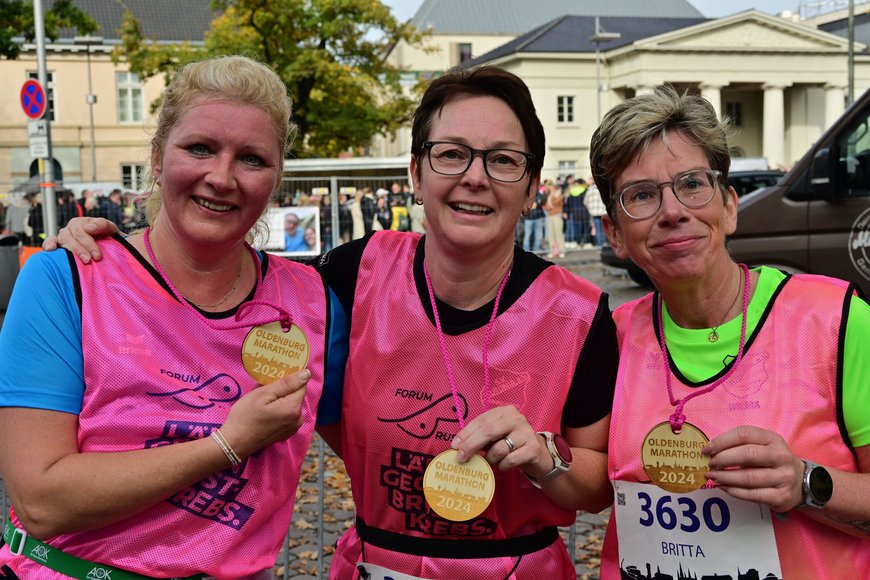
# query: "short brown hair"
[481,81]
[629,128]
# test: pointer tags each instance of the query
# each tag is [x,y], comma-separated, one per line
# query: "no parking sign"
[33,99]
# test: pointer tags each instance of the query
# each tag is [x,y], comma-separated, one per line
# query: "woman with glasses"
[477,394]
[740,435]
[478,388]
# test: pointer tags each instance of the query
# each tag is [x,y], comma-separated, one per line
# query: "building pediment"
[749,31]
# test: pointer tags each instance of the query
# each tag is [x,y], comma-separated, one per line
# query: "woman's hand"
[266,415]
[756,465]
[489,432]
[79,237]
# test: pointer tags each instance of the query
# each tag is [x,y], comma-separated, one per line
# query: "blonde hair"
[234,79]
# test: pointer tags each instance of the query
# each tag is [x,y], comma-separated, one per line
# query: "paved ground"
[302,558]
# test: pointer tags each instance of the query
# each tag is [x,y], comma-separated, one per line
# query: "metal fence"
[305,191]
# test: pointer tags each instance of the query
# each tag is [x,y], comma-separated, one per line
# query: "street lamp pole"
[91,98]
[599,37]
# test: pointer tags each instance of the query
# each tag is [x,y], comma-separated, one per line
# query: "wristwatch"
[818,487]
[560,451]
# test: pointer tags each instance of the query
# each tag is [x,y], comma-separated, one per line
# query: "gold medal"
[269,353]
[458,491]
[673,461]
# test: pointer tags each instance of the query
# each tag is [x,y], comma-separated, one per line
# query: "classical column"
[643,90]
[713,93]
[773,134]
[835,103]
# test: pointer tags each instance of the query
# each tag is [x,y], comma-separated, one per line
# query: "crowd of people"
[478,394]
[566,214]
[22,215]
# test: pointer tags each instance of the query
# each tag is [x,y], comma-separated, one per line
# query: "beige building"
[781,82]
[120,118]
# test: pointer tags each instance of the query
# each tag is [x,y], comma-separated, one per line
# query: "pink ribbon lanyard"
[236,322]
[443,343]
[678,418]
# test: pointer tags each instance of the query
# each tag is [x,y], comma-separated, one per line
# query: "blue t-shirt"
[41,341]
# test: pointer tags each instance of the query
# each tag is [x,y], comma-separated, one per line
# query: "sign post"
[49,203]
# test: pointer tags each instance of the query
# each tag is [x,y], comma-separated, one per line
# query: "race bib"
[692,535]
[373,572]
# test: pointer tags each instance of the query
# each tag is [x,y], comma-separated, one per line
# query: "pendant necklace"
[460,491]
[714,334]
[671,451]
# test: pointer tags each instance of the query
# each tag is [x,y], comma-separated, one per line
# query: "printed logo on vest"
[424,423]
[99,573]
[40,553]
[217,390]
[135,345]
[859,244]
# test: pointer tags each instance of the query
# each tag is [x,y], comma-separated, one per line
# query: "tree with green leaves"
[330,53]
[16,21]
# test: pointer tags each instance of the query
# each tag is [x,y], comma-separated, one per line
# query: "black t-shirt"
[591,395]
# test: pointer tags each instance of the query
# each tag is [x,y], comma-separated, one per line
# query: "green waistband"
[20,543]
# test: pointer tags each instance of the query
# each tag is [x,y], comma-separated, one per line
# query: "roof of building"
[841,27]
[159,20]
[513,17]
[574,34]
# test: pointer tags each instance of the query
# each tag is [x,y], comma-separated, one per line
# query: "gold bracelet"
[225,447]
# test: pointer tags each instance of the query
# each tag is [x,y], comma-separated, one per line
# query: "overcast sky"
[405,9]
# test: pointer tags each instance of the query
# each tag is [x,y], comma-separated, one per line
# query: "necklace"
[714,334]
[678,418]
[246,309]
[443,343]
[226,296]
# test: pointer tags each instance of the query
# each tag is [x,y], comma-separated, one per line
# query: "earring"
[418,200]
[526,211]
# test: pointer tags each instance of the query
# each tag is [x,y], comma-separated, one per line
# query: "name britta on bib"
[692,535]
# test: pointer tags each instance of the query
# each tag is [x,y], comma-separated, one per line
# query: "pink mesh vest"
[155,374]
[398,412]
[786,382]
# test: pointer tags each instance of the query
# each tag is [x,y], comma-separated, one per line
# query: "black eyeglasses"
[693,189]
[507,165]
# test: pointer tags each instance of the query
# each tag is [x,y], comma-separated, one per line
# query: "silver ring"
[509,442]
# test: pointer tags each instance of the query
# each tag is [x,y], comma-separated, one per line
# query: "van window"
[853,147]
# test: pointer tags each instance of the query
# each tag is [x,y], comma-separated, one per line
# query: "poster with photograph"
[294,231]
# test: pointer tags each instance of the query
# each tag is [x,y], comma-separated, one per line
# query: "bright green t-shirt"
[699,359]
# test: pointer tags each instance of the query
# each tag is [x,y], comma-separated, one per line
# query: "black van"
[817,218]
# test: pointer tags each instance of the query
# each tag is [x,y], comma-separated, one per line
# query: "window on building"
[567,167]
[565,109]
[133,176]
[734,112]
[49,92]
[130,99]
[464,52]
